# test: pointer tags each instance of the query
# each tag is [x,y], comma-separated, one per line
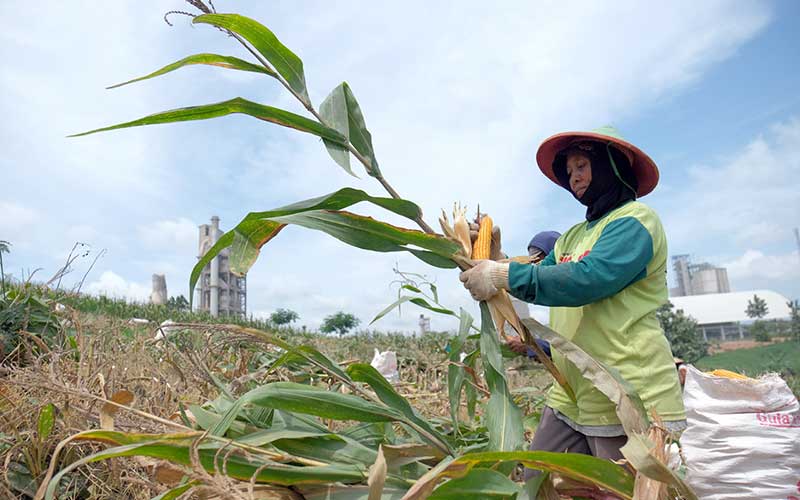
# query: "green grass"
[753,362]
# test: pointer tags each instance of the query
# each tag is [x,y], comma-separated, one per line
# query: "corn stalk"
[340,123]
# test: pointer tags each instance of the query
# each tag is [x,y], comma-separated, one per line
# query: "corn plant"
[285,435]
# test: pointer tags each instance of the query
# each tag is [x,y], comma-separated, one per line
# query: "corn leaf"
[330,448]
[257,228]
[177,491]
[362,372]
[424,485]
[311,400]
[629,406]
[333,111]
[370,434]
[265,42]
[583,468]
[639,452]
[503,417]
[532,487]
[356,230]
[47,419]
[377,477]
[224,108]
[477,483]
[208,59]
[419,301]
[176,449]
[341,111]
[341,492]
[456,373]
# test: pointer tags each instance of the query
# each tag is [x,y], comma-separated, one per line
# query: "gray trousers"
[554,435]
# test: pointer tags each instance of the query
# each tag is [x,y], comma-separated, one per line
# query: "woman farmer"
[604,281]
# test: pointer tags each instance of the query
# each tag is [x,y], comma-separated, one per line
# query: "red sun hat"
[644,168]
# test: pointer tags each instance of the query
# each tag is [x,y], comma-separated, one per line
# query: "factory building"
[220,291]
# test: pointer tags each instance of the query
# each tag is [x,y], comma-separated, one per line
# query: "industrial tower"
[221,292]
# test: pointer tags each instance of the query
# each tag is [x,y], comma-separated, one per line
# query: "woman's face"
[579,170]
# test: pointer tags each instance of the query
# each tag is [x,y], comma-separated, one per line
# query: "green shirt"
[604,281]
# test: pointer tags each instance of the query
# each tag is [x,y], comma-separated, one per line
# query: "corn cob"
[483,245]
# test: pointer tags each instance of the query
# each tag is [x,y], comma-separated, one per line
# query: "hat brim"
[644,168]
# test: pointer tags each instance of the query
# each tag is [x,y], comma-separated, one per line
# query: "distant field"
[755,361]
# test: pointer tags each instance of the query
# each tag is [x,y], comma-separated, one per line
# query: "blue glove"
[544,345]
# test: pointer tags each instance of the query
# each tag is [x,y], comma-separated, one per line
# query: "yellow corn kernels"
[483,245]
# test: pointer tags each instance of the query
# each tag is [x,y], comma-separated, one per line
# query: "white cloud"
[754,269]
[110,284]
[750,197]
[178,235]
[16,217]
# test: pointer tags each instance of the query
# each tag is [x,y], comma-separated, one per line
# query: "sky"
[457,96]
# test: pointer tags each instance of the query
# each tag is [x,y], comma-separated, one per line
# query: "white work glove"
[485,279]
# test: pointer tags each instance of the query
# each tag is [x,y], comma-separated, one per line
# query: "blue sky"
[457,101]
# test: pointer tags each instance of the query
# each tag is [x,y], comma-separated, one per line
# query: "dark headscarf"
[613,182]
[544,241]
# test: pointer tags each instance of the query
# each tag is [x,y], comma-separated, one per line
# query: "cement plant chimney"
[159,294]
[214,284]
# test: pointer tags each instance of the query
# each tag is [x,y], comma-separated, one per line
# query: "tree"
[757,308]
[794,306]
[283,317]
[178,303]
[681,330]
[340,323]
[3,249]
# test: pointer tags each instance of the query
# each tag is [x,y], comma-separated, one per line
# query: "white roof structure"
[730,307]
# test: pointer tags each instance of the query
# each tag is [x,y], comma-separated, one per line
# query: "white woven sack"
[742,439]
[386,363]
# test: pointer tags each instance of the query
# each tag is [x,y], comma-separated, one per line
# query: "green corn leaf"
[176,449]
[224,108]
[419,301]
[47,419]
[503,417]
[584,468]
[330,448]
[347,492]
[362,372]
[257,228]
[341,111]
[333,111]
[267,44]
[290,421]
[359,135]
[456,374]
[207,420]
[369,433]
[308,355]
[177,491]
[532,487]
[268,436]
[208,59]
[311,400]
[477,483]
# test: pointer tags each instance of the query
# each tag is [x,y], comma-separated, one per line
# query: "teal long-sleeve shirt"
[617,259]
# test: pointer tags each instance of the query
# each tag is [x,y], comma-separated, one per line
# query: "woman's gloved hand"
[496,252]
[519,347]
[485,279]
